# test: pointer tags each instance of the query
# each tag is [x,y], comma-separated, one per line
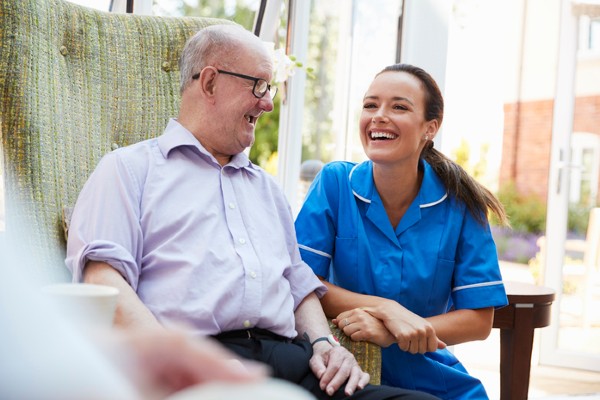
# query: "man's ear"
[208,81]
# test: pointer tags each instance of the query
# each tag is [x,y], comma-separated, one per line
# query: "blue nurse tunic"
[438,257]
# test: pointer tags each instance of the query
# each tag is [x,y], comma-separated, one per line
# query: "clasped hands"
[335,366]
[390,323]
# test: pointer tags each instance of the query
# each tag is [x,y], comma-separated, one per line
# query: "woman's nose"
[379,116]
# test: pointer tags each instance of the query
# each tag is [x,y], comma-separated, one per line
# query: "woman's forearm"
[462,326]
[338,300]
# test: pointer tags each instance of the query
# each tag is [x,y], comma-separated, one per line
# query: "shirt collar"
[176,135]
[431,193]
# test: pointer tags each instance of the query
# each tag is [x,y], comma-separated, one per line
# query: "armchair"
[76,83]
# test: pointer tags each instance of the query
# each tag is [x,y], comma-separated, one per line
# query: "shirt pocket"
[345,263]
[441,288]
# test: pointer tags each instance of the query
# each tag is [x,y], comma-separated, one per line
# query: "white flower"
[283,65]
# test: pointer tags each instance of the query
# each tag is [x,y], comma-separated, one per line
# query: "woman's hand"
[412,333]
[389,323]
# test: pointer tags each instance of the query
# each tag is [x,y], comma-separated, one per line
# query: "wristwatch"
[330,338]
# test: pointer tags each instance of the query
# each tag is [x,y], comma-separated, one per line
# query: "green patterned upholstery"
[74,84]
[367,354]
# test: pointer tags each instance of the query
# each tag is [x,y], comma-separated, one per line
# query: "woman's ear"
[432,128]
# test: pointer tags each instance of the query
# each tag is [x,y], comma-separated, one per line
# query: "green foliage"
[462,156]
[266,135]
[240,14]
[317,130]
[526,213]
[579,218]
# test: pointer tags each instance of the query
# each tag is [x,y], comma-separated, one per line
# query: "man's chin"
[248,142]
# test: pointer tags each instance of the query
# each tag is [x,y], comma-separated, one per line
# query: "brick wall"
[527,140]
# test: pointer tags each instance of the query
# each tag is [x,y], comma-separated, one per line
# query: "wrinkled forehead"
[258,58]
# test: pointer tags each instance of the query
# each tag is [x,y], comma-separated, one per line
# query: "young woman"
[403,241]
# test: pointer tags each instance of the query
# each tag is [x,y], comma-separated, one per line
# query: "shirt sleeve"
[300,277]
[105,224]
[477,278]
[315,223]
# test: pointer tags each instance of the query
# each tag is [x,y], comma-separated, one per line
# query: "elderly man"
[193,234]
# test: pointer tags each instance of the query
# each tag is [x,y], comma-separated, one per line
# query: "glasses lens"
[261,88]
[273,92]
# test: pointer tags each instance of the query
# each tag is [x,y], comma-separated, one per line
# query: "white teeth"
[382,135]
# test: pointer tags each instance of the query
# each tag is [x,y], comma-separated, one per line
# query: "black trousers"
[289,360]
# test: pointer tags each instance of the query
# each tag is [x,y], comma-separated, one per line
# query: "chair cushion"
[74,84]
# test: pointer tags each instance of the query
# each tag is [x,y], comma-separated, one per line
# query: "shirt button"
[231,205]
[242,240]
[253,275]
[247,324]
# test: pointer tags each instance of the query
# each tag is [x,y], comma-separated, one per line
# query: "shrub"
[526,213]
[514,246]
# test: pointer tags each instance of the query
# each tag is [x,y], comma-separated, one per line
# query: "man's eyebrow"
[395,98]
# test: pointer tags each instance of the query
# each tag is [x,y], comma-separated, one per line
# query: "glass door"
[573,222]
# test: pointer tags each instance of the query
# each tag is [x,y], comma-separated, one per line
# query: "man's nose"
[266,103]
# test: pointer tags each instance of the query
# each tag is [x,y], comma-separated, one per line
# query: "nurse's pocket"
[345,263]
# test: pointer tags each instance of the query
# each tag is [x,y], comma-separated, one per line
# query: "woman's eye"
[368,105]
[400,107]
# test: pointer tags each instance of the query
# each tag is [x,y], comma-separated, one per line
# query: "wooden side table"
[529,308]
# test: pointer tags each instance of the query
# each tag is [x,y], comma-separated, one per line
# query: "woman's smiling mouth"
[376,135]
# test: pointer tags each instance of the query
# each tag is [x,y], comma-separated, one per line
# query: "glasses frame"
[250,78]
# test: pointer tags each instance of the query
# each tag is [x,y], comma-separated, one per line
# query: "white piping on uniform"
[477,285]
[435,202]
[353,192]
[319,252]
[360,197]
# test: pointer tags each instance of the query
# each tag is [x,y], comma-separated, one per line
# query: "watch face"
[333,340]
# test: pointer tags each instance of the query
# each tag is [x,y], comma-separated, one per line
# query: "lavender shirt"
[209,246]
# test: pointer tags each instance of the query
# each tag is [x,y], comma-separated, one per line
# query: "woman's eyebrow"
[400,98]
[395,98]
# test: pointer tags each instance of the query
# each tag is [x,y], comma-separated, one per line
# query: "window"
[589,34]
[349,42]
[585,157]
[240,11]
[102,5]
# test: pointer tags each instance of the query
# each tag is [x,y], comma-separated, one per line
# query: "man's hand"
[334,366]
[361,326]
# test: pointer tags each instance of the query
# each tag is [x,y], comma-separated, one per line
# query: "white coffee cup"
[87,305]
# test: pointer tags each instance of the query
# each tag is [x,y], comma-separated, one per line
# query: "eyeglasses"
[260,88]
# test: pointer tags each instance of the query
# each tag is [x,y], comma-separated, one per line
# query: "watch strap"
[329,338]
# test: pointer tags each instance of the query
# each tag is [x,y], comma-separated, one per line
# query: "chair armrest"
[367,354]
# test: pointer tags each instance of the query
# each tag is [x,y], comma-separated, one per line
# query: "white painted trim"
[291,114]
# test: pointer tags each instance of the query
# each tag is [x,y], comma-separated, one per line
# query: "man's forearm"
[310,318]
[130,312]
